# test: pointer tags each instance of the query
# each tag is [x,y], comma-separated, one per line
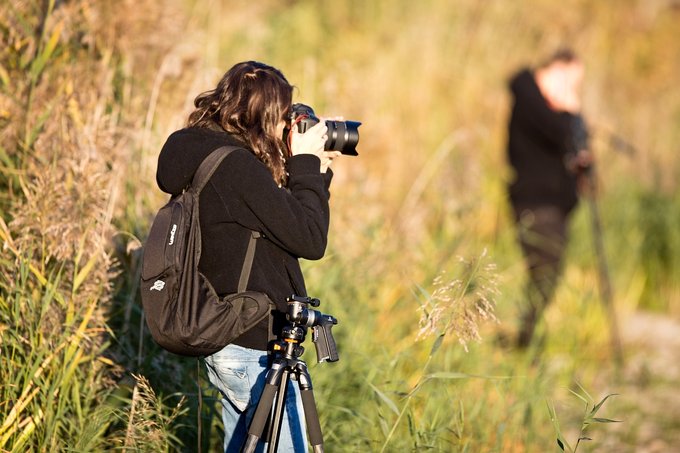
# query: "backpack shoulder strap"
[248,262]
[201,178]
[208,167]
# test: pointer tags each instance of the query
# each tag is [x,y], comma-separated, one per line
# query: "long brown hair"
[249,101]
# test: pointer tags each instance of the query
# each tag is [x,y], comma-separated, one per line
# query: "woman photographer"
[267,186]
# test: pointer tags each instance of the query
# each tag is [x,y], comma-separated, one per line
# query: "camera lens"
[343,136]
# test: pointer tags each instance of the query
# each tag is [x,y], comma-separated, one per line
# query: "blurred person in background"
[547,149]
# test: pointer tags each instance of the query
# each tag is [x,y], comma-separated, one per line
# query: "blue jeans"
[239,374]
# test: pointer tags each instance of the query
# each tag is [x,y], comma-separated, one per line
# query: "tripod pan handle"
[324,341]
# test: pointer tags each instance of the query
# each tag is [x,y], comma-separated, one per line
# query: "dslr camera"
[343,136]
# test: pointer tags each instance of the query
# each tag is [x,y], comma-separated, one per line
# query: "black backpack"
[184,313]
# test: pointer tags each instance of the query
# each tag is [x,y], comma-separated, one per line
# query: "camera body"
[343,136]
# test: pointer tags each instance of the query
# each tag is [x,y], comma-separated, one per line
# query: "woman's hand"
[327,159]
[312,142]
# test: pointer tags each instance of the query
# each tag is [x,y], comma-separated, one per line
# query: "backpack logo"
[157,285]
[172,234]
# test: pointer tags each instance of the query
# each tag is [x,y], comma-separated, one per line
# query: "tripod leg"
[277,416]
[263,410]
[603,274]
[312,418]
[309,406]
[260,417]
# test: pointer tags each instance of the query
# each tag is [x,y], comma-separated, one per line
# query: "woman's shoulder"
[242,168]
[185,149]
[242,160]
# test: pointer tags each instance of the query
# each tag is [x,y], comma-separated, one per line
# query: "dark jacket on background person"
[540,140]
[242,196]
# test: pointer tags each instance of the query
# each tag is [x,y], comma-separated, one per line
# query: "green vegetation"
[589,418]
[422,261]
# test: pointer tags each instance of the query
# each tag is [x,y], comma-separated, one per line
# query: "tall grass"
[89,91]
[63,87]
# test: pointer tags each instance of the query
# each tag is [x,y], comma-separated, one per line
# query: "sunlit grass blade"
[385,399]
[561,441]
[39,62]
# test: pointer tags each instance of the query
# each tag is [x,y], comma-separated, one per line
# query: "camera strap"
[290,134]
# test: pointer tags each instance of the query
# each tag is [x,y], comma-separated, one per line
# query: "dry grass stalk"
[147,425]
[460,305]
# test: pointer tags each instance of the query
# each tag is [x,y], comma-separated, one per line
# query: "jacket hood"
[183,152]
[523,84]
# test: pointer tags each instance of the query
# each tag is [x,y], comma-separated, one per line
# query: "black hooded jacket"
[540,140]
[242,196]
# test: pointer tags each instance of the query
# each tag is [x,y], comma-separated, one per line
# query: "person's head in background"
[559,79]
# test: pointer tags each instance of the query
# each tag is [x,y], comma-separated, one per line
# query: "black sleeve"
[328,177]
[580,133]
[296,219]
[534,115]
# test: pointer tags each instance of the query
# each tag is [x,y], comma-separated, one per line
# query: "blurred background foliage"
[89,90]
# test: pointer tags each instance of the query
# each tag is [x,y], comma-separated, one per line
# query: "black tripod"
[287,363]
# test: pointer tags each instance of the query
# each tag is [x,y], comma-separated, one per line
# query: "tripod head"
[301,317]
[286,362]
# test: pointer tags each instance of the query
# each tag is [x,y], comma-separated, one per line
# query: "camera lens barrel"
[343,136]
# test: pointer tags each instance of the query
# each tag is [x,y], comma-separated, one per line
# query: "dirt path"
[649,390]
